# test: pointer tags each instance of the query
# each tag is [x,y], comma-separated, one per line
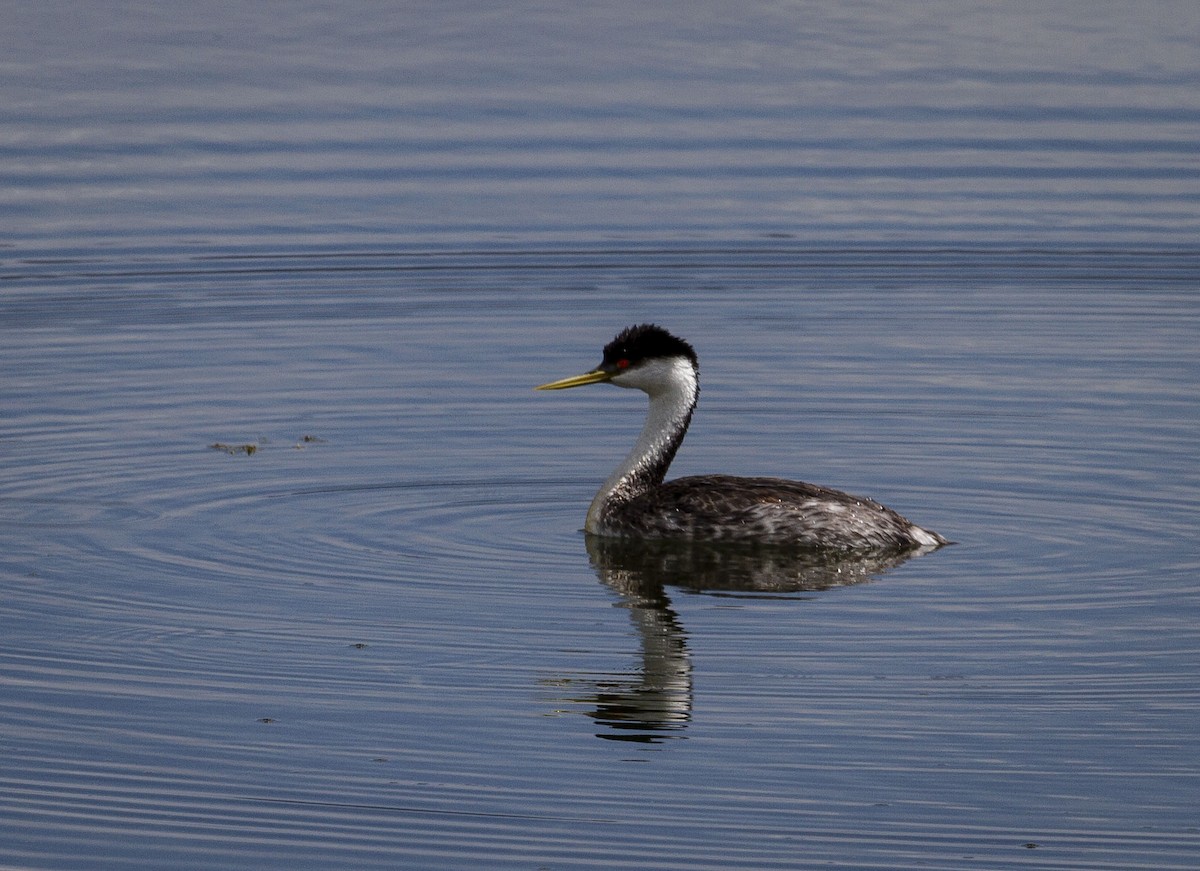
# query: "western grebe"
[635,502]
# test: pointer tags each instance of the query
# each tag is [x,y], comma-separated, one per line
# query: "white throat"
[673,387]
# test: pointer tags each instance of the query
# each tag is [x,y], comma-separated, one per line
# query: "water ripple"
[390,644]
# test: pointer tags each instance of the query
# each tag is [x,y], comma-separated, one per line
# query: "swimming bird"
[636,502]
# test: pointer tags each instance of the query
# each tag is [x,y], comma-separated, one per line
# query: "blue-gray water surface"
[290,566]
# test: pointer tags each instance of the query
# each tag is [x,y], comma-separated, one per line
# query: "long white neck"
[673,387]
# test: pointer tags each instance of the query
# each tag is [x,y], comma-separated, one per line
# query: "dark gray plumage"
[724,507]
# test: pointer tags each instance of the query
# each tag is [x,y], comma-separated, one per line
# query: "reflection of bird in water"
[734,567]
[636,503]
[655,702]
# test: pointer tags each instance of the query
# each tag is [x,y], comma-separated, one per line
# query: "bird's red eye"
[623,363]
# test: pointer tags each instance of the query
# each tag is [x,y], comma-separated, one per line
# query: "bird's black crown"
[643,342]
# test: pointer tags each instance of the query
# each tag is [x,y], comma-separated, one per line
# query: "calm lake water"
[290,566]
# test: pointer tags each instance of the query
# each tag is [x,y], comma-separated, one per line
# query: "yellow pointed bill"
[593,377]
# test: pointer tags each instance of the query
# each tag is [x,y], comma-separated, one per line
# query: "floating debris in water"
[252,447]
[247,449]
